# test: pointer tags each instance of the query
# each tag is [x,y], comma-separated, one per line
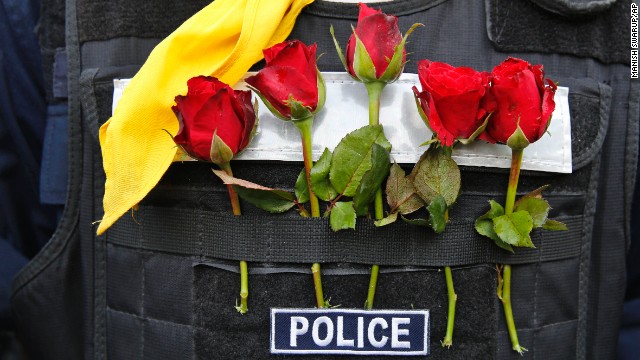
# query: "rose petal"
[217,115]
[249,117]
[380,35]
[278,83]
[365,11]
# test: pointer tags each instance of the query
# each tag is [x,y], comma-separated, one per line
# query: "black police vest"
[161,283]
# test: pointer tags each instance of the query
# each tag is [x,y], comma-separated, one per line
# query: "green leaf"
[352,158]
[417,222]
[495,211]
[518,140]
[484,225]
[301,188]
[503,245]
[401,195]
[554,225]
[386,221]
[515,228]
[320,183]
[271,200]
[436,174]
[372,179]
[537,193]
[536,207]
[343,216]
[396,64]
[438,214]
[362,64]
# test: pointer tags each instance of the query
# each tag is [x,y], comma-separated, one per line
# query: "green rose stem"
[514,175]
[244,272]
[374,90]
[453,298]
[451,315]
[304,125]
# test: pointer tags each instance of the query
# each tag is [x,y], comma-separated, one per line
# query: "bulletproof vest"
[161,283]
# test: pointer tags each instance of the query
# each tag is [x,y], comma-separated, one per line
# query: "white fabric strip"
[346,109]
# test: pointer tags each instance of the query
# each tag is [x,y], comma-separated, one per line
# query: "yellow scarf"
[223,40]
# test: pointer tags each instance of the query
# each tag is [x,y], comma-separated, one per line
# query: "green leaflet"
[538,208]
[386,221]
[343,216]
[417,222]
[401,195]
[301,188]
[320,183]
[352,158]
[554,225]
[436,174]
[515,228]
[271,200]
[438,214]
[372,180]
[484,225]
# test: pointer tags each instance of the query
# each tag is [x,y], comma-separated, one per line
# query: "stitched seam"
[148,318]
[560,323]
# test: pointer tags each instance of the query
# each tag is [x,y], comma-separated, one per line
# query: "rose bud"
[450,103]
[216,122]
[290,84]
[522,101]
[376,49]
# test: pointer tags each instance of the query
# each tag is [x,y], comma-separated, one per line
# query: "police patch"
[349,331]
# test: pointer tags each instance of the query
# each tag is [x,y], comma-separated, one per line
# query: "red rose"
[290,73]
[520,98]
[216,122]
[450,100]
[380,35]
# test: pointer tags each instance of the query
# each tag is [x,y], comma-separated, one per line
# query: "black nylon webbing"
[302,240]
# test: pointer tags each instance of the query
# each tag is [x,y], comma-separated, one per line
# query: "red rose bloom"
[451,99]
[520,97]
[380,35]
[211,108]
[290,73]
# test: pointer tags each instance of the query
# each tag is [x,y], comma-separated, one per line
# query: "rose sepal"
[362,63]
[423,115]
[322,92]
[518,140]
[396,65]
[269,106]
[299,112]
[341,54]
[476,133]
[220,152]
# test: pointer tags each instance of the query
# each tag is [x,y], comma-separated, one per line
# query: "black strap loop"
[281,239]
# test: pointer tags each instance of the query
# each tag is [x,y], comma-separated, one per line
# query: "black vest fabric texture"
[162,282]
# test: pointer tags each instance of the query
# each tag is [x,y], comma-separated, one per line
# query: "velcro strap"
[281,239]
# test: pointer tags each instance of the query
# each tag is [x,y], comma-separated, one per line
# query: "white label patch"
[346,109]
[349,332]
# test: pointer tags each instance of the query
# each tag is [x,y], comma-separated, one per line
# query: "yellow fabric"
[223,40]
